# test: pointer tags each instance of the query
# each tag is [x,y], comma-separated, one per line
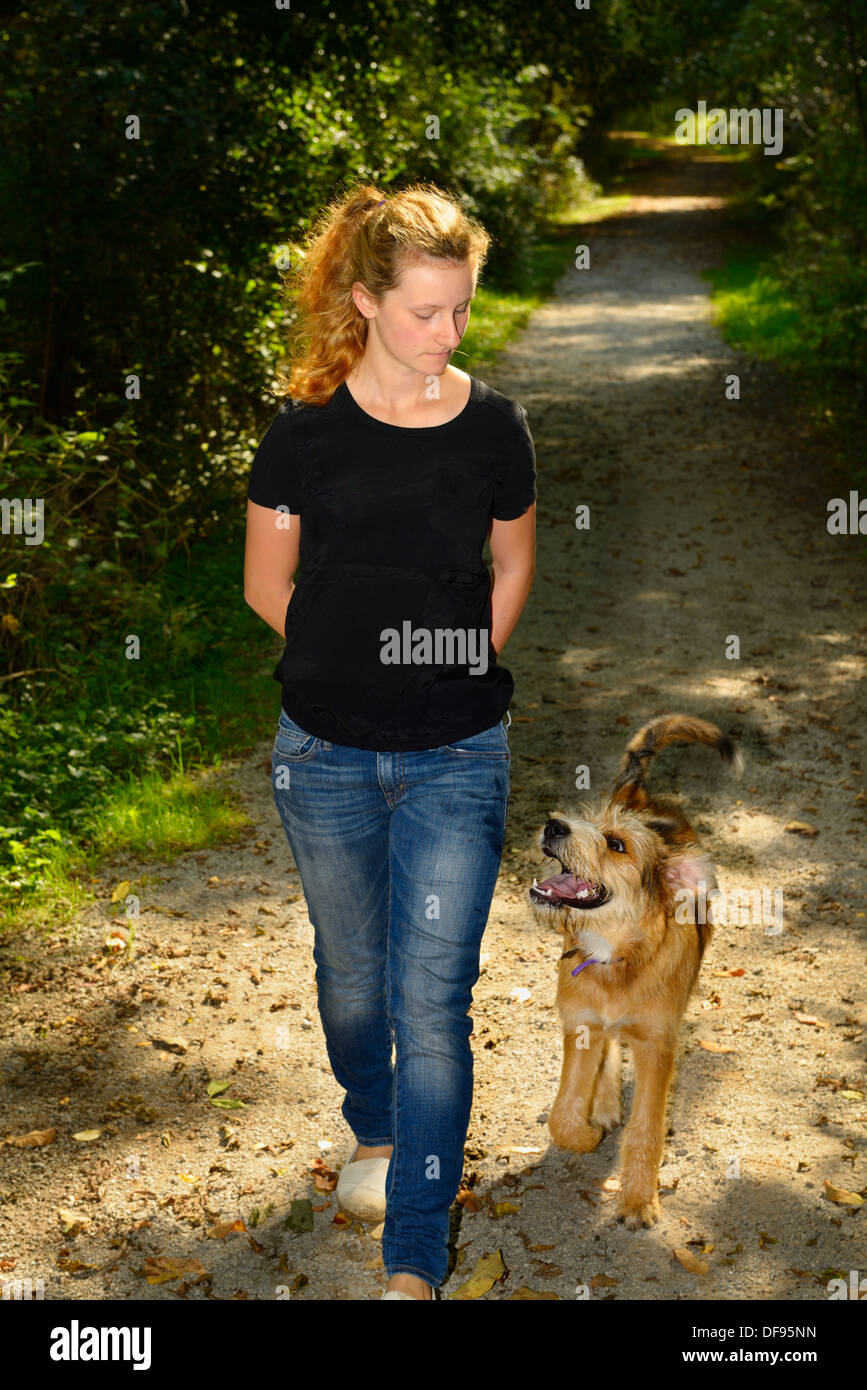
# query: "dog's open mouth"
[567,890]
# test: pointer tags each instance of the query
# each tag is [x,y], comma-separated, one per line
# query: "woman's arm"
[270,561]
[513,551]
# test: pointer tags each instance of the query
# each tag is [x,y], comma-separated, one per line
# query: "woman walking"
[384,471]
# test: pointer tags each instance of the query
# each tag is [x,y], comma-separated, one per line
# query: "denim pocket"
[490,743]
[292,743]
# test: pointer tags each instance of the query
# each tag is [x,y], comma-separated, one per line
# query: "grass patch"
[759,312]
[754,310]
[168,817]
[118,758]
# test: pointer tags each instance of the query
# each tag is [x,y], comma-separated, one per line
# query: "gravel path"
[707,521]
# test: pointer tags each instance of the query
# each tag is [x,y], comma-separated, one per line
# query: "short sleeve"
[515,491]
[274,477]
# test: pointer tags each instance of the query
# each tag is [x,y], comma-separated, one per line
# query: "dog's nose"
[556,830]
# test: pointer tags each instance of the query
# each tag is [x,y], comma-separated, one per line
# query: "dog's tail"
[629,789]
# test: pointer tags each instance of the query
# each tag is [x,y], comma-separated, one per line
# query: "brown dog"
[627,901]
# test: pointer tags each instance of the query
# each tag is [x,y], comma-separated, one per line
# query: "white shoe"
[361,1188]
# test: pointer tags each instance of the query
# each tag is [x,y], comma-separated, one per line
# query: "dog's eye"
[614,843]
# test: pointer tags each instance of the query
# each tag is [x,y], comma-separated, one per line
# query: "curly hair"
[368,237]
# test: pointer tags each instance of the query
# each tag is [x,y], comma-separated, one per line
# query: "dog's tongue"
[564,885]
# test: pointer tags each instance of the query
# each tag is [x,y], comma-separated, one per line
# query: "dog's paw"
[578,1135]
[638,1211]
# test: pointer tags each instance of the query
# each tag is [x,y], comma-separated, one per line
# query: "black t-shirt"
[388,628]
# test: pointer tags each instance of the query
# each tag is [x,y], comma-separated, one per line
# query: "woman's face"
[422,320]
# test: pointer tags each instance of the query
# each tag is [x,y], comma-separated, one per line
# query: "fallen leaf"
[689,1260]
[36,1139]
[853,1095]
[324,1179]
[602,1281]
[841,1196]
[710,1046]
[120,891]
[505,1208]
[300,1216]
[487,1271]
[215,1087]
[524,1293]
[224,1228]
[160,1269]
[800,827]
[809,1018]
[72,1221]
[86,1136]
[171,1042]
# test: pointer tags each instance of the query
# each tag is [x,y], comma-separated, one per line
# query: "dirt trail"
[708,519]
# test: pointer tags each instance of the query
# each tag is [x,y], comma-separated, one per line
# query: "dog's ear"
[688,873]
[688,869]
[689,876]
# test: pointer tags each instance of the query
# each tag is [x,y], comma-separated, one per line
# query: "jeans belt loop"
[509,717]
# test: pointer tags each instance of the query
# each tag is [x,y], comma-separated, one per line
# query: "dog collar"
[591,960]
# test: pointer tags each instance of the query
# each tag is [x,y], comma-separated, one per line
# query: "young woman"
[385,470]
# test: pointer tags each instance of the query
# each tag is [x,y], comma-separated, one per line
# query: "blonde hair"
[368,237]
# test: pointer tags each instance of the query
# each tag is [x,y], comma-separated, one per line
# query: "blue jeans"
[398,855]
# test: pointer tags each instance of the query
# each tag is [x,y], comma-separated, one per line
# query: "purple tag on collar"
[591,960]
[583,966]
